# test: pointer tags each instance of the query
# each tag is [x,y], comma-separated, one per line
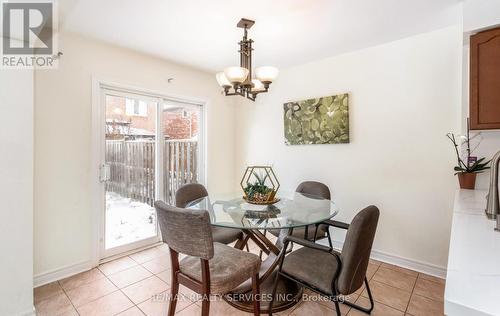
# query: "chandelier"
[240,78]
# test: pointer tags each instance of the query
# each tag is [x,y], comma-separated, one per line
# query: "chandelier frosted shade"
[266,74]
[236,74]
[222,80]
[257,86]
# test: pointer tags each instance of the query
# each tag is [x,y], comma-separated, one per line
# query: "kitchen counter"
[473,276]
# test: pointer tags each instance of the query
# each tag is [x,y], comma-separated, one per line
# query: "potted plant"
[468,166]
[255,187]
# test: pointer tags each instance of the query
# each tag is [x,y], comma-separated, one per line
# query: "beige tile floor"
[137,284]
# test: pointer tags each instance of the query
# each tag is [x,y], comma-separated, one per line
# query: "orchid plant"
[466,161]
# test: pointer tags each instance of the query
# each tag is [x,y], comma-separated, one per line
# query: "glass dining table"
[292,211]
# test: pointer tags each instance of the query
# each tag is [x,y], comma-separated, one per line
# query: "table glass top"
[297,210]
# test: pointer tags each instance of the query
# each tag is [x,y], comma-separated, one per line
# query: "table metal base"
[288,293]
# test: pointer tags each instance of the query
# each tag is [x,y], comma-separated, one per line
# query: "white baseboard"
[411,264]
[61,273]
[423,267]
[70,270]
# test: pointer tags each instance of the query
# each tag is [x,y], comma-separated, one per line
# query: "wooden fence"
[180,166]
[132,168]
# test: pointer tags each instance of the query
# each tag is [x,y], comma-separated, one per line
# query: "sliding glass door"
[150,147]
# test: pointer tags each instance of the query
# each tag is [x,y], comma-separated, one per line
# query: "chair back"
[314,188]
[188,193]
[356,250]
[186,231]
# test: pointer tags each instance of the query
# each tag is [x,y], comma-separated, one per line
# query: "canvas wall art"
[317,121]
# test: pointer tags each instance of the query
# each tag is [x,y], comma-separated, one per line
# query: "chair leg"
[205,287]
[256,294]
[240,243]
[363,309]
[174,293]
[278,273]
[260,252]
[369,295]
[205,306]
[337,306]
[329,237]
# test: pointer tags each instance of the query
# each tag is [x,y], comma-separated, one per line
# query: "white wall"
[63,181]
[16,192]
[404,97]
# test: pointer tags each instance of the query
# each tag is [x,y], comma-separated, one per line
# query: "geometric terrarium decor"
[259,184]
[317,121]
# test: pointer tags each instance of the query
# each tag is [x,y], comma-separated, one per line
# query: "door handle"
[104,172]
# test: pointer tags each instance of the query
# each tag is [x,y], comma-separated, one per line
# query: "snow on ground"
[127,220]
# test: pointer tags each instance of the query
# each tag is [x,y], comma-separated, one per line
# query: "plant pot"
[467,180]
[263,199]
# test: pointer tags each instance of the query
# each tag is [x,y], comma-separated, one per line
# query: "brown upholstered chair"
[311,232]
[194,191]
[328,272]
[209,267]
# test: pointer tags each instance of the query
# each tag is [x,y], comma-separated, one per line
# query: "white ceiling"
[203,33]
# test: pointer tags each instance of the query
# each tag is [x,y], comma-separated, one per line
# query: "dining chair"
[209,267]
[194,191]
[328,272]
[311,232]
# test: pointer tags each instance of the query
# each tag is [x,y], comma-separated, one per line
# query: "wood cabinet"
[484,105]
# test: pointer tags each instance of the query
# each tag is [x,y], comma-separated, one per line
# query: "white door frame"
[97,157]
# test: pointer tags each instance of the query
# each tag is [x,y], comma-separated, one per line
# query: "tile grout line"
[135,266]
[396,268]
[430,280]
[140,310]
[134,304]
[408,291]
[411,294]
[117,271]
[393,288]
[106,277]
[426,297]
[121,289]
[142,266]
[69,299]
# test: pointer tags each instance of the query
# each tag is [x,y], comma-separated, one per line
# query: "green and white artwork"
[317,121]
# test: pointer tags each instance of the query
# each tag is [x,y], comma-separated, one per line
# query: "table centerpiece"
[260,185]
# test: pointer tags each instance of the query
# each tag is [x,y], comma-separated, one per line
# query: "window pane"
[181,154]
[142,108]
[129,106]
[180,122]
[130,155]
